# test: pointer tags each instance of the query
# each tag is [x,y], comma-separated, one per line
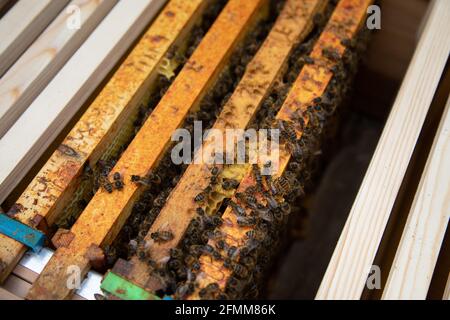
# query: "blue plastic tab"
[32,238]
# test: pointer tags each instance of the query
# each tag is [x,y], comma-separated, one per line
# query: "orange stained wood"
[53,187]
[106,213]
[311,83]
[291,27]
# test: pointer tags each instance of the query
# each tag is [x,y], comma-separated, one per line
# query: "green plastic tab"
[124,289]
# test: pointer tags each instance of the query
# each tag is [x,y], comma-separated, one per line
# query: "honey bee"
[200,211]
[228,263]
[195,249]
[265,214]
[210,291]
[349,43]
[201,197]
[174,264]
[154,178]
[255,235]
[248,262]
[159,202]
[175,180]
[281,185]
[278,215]
[222,296]
[295,150]
[295,167]
[190,260]
[184,290]
[216,255]
[308,60]
[232,252]
[99,297]
[176,253]
[110,254]
[207,249]
[162,236]
[215,171]
[285,208]
[221,244]
[106,184]
[240,271]
[287,131]
[118,183]
[331,54]
[214,180]
[140,180]
[257,176]
[237,209]
[229,184]
[217,221]
[273,204]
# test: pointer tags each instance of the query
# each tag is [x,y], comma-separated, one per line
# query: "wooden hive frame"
[416,258]
[99,126]
[21,25]
[296,21]
[310,84]
[421,242]
[105,214]
[355,252]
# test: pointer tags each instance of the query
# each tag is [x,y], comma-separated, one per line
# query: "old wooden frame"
[296,20]
[105,214]
[349,16]
[120,97]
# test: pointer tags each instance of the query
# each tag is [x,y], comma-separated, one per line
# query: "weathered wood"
[354,254]
[419,248]
[310,84]
[106,213]
[42,60]
[44,119]
[21,25]
[296,20]
[53,187]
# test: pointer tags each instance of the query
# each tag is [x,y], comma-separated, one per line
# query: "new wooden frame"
[296,21]
[42,60]
[355,252]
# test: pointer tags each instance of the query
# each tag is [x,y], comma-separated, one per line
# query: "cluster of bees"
[269,199]
[263,208]
[160,183]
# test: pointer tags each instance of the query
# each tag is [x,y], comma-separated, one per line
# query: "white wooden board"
[353,257]
[42,60]
[22,24]
[44,119]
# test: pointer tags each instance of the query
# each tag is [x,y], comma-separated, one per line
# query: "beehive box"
[97,177]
